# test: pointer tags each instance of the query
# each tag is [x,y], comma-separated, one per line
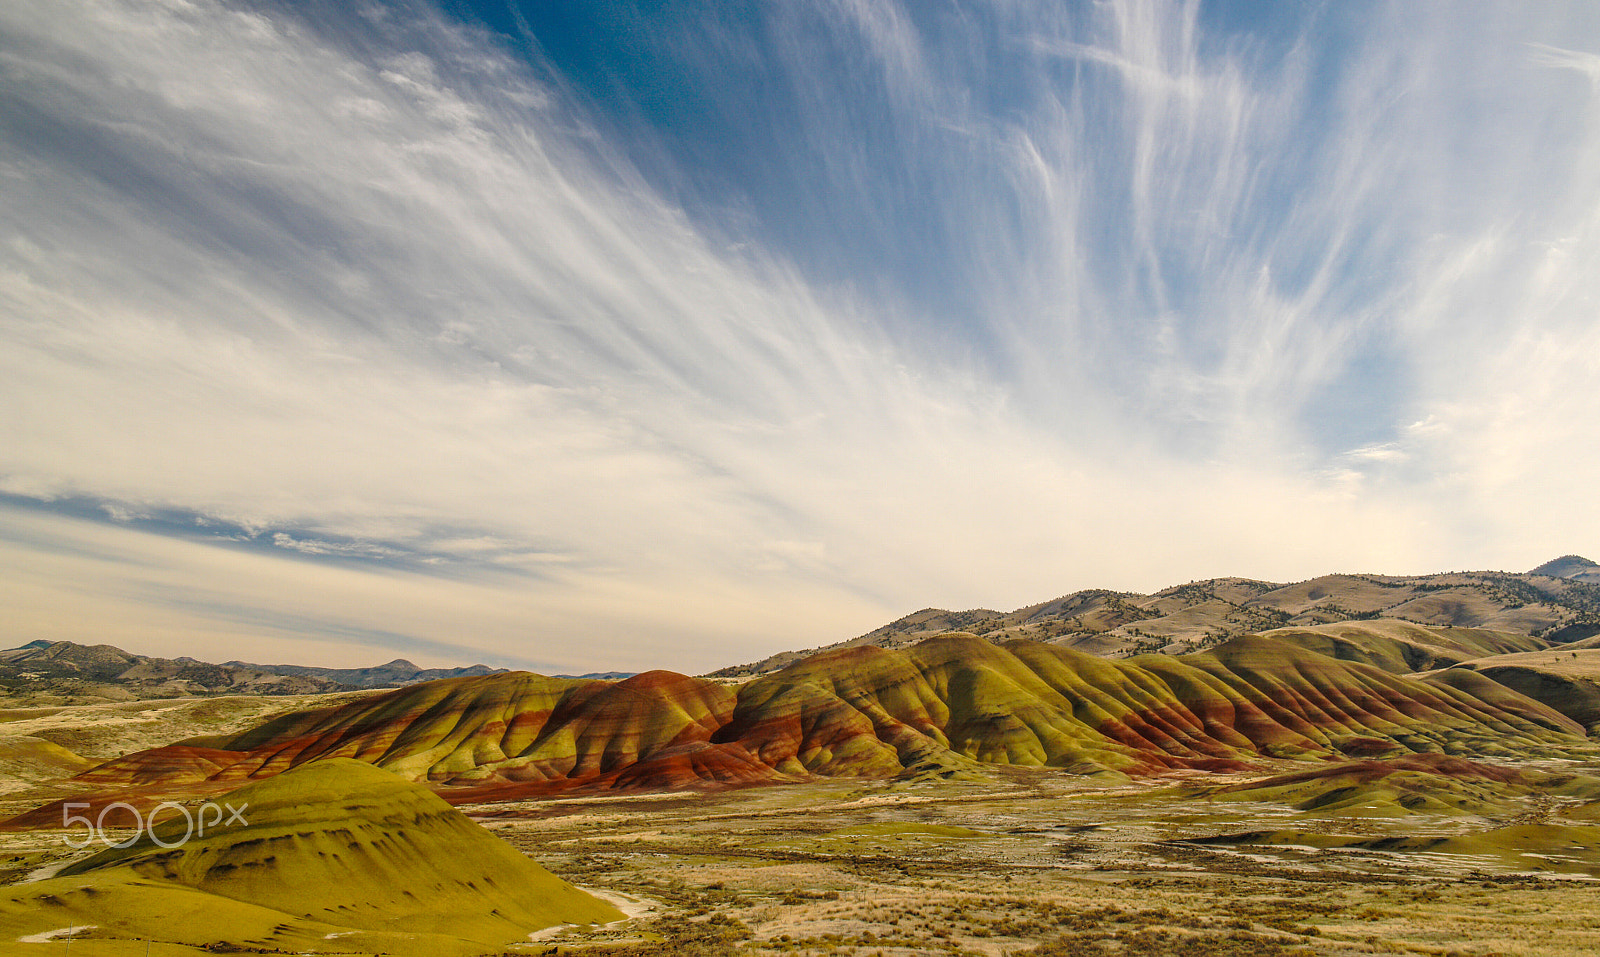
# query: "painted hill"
[1556,602]
[1413,784]
[1566,679]
[337,855]
[943,707]
[28,760]
[1535,847]
[509,728]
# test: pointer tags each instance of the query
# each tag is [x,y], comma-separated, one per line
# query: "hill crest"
[943,707]
[1570,566]
[1190,617]
[336,849]
[43,672]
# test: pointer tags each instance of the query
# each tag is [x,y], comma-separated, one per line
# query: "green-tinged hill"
[945,706]
[336,855]
[1403,647]
[1567,679]
[1528,848]
[1409,785]
[27,760]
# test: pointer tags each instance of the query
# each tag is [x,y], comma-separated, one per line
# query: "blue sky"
[607,335]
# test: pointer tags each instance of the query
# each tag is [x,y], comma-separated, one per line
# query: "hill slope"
[1557,602]
[393,674]
[62,672]
[1402,647]
[1570,566]
[945,705]
[1568,680]
[59,672]
[335,851]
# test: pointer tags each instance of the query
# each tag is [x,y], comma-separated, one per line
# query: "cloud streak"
[983,308]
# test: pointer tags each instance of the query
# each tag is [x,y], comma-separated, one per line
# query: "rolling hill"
[392,674]
[1413,784]
[1566,679]
[60,672]
[337,856]
[1575,567]
[1559,601]
[1403,647]
[946,706]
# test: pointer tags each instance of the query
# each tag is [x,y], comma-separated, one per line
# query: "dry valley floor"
[1040,863]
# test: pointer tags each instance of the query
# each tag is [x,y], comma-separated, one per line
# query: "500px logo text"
[147,825]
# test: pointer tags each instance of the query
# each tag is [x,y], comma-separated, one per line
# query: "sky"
[612,335]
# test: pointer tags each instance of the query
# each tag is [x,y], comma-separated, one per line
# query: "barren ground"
[1037,863]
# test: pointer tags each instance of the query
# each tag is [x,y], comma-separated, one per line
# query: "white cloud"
[386,295]
[1385,452]
[1559,58]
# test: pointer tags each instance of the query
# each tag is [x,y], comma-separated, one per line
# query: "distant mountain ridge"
[47,672]
[392,674]
[1558,601]
[51,672]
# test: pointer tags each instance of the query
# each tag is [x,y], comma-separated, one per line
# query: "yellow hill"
[1567,679]
[332,851]
[1403,647]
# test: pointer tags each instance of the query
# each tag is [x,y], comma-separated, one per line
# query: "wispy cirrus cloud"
[884,305]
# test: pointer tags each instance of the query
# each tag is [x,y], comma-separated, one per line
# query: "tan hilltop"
[1559,601]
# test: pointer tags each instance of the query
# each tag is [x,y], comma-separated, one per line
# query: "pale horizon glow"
[476,332]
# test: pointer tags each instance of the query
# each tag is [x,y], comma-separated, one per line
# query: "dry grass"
[1060,869]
